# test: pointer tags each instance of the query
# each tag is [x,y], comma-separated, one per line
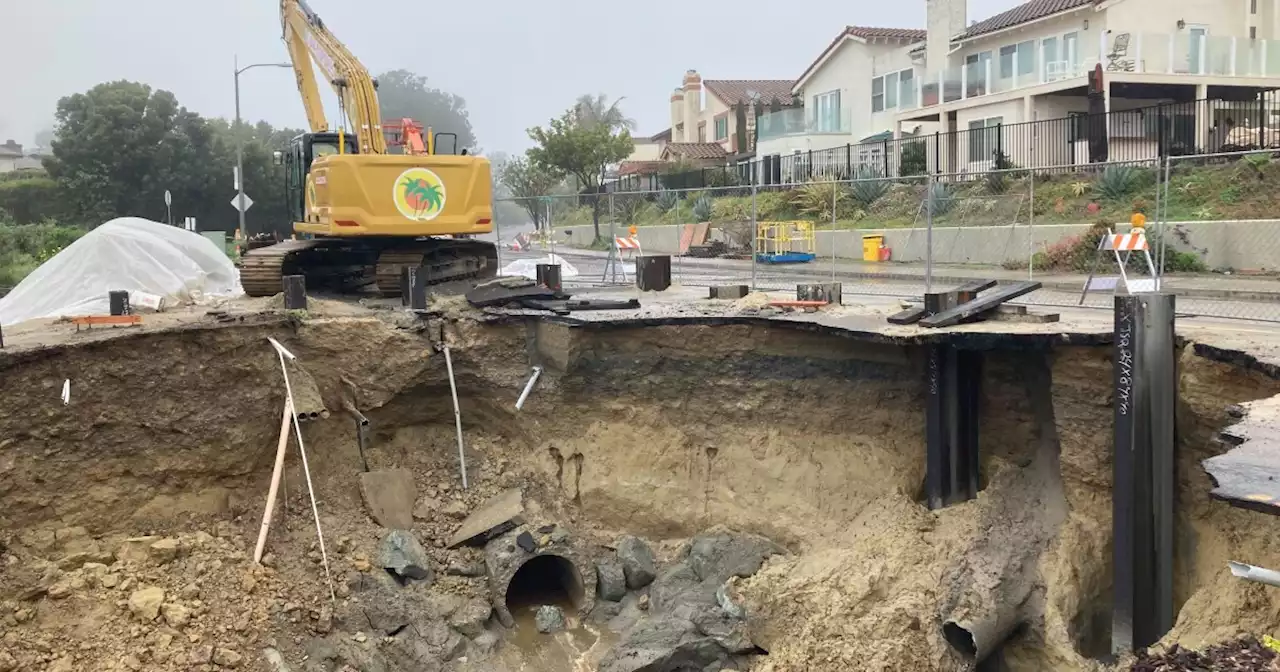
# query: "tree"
[402,94]
[581,150]
[597,109]
[44,139]
[529,182]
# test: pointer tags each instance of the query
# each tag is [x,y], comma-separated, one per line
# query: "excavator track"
[348,266]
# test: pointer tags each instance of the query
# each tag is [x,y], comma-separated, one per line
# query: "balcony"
[800,121]
[1016,67]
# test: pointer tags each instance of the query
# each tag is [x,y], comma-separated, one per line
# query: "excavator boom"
[365,214]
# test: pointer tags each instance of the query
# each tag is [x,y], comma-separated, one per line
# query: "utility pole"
[239,133]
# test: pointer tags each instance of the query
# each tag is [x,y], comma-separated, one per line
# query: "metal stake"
[754,233]
[928,235]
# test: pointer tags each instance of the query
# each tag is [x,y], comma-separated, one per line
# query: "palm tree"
[596,109]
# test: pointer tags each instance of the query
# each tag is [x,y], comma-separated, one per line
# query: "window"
[976,65]
[702,131]
[1019,58]
[984,139]
[722,128]
[896,89]
[826,108]
[1049,46]
[1069,50]
[1253,6]
[908,85]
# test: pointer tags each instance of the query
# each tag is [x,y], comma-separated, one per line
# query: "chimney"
[677,114]
[944,19]
[692,104]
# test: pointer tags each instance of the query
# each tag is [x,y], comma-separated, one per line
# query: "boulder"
[637,562]
[389,496]
[549,619]
[145,603]
[495,517]
[470,618]
[611,581]
[404,558]
[719,554]
[660,644]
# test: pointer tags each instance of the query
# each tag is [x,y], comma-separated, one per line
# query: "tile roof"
[870,33]
[867,33]
[734,91]
[1029,11]
[697,150]
[664,136]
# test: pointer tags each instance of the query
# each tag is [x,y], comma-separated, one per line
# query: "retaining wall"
[1233,244]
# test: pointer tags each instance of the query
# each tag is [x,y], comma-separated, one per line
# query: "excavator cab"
[297,164]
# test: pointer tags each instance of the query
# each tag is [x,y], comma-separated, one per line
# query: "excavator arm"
[311,45]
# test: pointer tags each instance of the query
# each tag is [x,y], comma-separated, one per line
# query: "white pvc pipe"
[306,468]
[457,417]
[537,371]
[1254,573]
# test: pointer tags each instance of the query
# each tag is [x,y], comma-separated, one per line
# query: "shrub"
[816,200]
[1117,182]
[24,247]
[667,199]
[870,186]
[940,197]
[914,159]
[702,208]
[31,200]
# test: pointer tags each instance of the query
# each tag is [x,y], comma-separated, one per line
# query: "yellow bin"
[871,247]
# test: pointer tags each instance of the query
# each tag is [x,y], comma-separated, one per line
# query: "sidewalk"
[1208,286]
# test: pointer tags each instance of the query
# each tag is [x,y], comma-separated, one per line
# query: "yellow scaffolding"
[784,242]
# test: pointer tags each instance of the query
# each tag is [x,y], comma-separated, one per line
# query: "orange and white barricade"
[1123,246]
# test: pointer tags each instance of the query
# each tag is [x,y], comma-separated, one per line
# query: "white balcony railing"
[801,121]
[1183,53]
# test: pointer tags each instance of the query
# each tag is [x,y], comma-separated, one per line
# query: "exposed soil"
[814,442]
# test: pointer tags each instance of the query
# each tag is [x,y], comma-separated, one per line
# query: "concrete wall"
[1243,245]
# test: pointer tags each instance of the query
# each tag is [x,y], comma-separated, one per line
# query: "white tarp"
[529,267]
[148,259]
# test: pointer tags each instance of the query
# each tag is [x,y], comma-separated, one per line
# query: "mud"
[812,441]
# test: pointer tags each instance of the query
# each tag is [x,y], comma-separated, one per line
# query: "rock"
[324,622]
[163,551]
[662,643]
[360,637]
[136,549]
[469,619]
[387,610]
[727,605]
[404,558]
[637,562]
[389,496]
[201,655]
[495,517]
[719,554]
[611,581]
[455,509]
[145,603]
[7,662]
[93,554]
[462,568]
[131,661]
[549,619]
[482,645]
[227,657]
[526,543]
[427,509]
[175,615]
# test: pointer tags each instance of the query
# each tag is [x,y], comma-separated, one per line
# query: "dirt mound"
[1243,655]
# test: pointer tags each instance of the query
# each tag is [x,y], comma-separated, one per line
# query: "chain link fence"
[1211,223]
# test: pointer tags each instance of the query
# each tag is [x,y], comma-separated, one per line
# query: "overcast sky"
[516,62]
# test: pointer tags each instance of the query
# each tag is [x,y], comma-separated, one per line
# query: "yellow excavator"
[363,214]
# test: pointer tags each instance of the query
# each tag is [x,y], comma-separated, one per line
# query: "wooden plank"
[92,320]
[953,316]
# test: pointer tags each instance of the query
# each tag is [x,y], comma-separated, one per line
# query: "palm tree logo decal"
[419,194]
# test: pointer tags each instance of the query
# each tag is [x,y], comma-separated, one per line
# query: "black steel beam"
[953,389]
[295,292]
[1145,399]
[908,316]
[956,315]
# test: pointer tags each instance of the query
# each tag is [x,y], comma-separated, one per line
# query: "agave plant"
[940,198]
[868,187]
[667,199]
[1117,182]
[702,209]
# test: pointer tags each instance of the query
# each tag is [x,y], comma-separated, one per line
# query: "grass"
[1236,189]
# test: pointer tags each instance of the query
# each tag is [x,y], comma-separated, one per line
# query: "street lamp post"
[240,138]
